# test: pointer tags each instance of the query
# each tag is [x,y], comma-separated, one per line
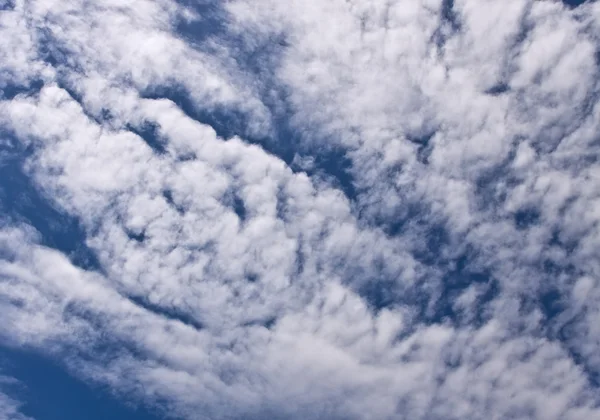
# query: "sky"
[301,209]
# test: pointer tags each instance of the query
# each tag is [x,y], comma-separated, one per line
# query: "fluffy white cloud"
[481,116]
[232,286]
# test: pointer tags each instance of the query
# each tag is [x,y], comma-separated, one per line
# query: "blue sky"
[301,209]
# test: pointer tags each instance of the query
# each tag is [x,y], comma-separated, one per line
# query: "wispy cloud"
[10,407]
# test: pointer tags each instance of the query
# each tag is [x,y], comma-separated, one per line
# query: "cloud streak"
[9,407]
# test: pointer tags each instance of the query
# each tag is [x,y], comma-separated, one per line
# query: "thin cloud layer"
[221,265]
[9,407]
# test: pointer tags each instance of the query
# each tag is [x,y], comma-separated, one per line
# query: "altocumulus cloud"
[305,209]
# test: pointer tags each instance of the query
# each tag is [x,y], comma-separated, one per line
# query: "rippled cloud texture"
[305,209]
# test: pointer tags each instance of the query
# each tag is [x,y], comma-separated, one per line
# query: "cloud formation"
[9,407]
[448,270]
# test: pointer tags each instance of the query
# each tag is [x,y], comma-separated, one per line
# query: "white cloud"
[9,407]
[506,104]
[230,285]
